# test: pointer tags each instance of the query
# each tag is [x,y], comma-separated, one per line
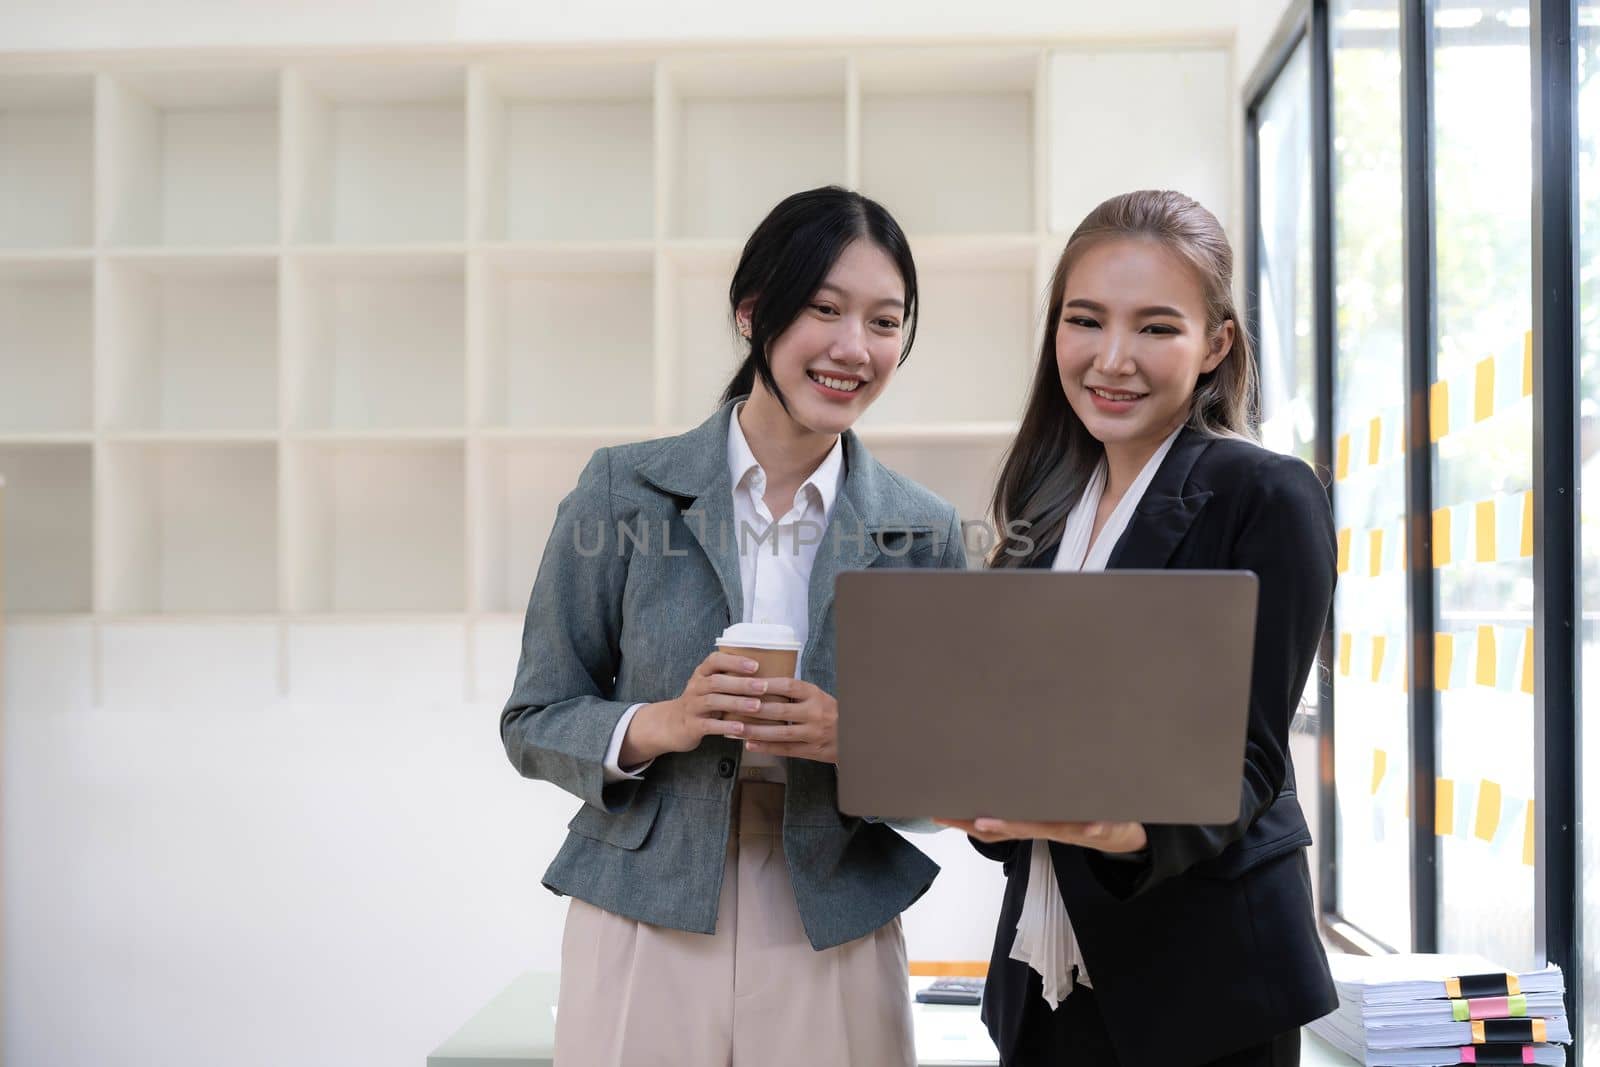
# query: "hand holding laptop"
[1102,836]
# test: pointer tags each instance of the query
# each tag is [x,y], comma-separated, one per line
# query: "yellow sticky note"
[1342,564]
[1483,390]
[1486,536]
[1487,824]
[1527,524]
[1527,661]
[1378,645]
[1444,806]
[1527,363]
[1374,439]
[1380,765]
[1375,552]
[1444,649]
[1438,410]
[1485,674]
[1529,830]
[1441,537]
[1344,654]
[1341,458]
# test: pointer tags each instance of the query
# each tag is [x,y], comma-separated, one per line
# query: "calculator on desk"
[952,990]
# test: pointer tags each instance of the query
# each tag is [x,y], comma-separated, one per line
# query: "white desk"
[517,1029]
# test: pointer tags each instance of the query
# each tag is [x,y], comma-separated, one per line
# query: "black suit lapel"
[1163,517]
[1167,511]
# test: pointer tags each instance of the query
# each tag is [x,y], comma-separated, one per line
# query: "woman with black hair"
[723,909]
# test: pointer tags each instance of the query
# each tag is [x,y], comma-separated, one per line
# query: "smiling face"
[838,355]
[1132,342]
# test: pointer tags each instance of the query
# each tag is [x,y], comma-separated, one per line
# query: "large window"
[1481,423]
[1588,117]
[1283,261]
[1445,426]
[1372,755]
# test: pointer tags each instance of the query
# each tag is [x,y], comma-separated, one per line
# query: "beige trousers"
[754,994]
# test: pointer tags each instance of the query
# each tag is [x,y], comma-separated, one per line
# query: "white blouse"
[1045,940]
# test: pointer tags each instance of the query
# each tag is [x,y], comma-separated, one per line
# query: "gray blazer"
[634,588]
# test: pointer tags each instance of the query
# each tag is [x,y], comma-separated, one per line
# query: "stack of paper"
[1431,1011]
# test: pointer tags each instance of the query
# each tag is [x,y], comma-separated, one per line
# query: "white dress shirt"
[775,561]
[1045,940]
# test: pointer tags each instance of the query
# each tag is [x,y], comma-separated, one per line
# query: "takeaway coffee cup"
[771,645]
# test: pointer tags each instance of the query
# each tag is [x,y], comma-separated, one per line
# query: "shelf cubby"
[377,153]
[1100,144]
[742,133]
[973,354]
[375,342]
[963,472]
[188,528]
[188,157]
[46,346]
[966,117]
[701,349]
[375,527]
[189,343]
[566,334]
[49,528]
[47,160]
[563,152]
[518,485]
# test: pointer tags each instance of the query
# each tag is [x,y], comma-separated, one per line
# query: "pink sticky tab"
[1489,1008]
[1527,1053]
[1469,1055]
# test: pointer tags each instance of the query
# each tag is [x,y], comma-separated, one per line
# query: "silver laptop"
[1116,695]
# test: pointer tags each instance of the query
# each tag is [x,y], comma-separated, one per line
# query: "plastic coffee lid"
[766,635]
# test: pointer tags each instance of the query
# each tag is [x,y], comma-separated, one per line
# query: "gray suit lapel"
[847,544]
[694,468]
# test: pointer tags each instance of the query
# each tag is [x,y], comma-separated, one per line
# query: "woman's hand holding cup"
[804,727]
[723,684]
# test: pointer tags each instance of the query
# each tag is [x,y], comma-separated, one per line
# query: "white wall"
[45,24]
[200,872]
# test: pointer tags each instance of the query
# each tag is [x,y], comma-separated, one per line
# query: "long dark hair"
[787,259]
[1053,456]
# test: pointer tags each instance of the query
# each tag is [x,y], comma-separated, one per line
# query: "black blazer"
[1210,944]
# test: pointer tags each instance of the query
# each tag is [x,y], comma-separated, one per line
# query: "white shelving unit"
[46,160]
[737,134]
[187,528]
[46,346]
[376,526]
[49,534]
[518,485]
[374,341]
[964,120]
[566,337]
[700,349]
[324,341]
[188,343]
[187,157]
[548,136]
[376,154]
[981,302]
